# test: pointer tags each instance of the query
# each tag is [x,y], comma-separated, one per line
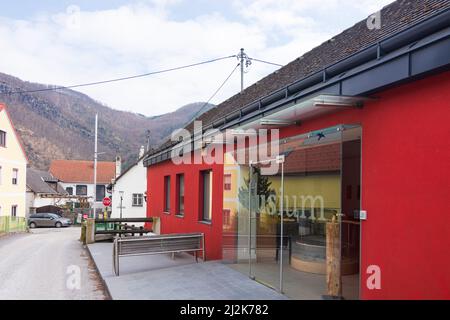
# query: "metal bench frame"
[120,242]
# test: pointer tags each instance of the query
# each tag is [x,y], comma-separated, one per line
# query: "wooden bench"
[146,245]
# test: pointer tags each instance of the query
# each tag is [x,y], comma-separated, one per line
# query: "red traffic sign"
[107,202]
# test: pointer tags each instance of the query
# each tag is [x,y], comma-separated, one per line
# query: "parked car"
[48,220]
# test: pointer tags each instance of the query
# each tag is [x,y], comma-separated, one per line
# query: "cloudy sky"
[70,42]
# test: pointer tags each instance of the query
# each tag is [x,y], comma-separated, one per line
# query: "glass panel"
[181,194]
[207,198]
[265,222]
[315,242]
[235,241]
[2,138]
[81,190]
[312,203]
[167,194]
[100,194]
[351,205]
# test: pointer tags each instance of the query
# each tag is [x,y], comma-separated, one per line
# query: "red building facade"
[402,162]
[404,187]
[191,220]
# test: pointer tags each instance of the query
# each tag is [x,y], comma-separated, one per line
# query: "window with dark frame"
[206,196]
[180,194]
[167,194]
[81,190]
[14,211]
[69,190]
[138,200]
[15,176]
[100,193]
[227,217]
[227,182]
[2,138]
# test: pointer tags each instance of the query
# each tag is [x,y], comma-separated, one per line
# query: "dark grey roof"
[395,17]
[38,181]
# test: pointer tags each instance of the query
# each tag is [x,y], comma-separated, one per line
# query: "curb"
[108,293]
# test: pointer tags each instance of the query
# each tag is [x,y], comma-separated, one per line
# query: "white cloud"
[74,47]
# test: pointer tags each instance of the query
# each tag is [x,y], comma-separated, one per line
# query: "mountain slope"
[60,124]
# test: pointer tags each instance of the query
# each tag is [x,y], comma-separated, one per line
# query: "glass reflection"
[320,196]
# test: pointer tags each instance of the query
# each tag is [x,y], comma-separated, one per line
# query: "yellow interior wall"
[326,186]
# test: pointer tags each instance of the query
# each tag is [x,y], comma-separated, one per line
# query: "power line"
[213,95]
[121,79]
[267,62]
[139,75]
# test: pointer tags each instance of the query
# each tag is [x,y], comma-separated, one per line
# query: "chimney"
[141,152]
[118,166]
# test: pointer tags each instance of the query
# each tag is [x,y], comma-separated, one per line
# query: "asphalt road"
[47,264]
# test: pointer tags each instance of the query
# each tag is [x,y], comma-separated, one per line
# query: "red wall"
[190,222]
[405,190]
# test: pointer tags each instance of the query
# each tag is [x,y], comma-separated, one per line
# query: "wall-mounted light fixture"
[241,132]
[275,122]
[339,101]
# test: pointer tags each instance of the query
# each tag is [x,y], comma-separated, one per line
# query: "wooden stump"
[90,231]
[156,225]
[83,233]
[334,281]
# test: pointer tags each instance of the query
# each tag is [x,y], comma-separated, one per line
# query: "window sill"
[137,206]
[165,212]
[181,216]
[208,223]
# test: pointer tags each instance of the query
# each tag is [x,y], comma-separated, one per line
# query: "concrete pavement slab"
[159,277]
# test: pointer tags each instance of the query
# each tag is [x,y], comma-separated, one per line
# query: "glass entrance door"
[351,206]
[265,221]
[292,222]
[312,214]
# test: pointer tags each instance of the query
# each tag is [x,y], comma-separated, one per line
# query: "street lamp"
[121,201]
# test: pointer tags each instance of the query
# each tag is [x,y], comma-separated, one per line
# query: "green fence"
[12,224]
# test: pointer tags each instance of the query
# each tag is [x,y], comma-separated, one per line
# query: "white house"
[77,177]
[43,190]
[129,191]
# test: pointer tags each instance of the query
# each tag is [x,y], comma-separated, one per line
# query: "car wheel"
[58,225]
[33,225]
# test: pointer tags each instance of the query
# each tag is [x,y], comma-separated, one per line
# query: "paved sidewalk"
[158,277]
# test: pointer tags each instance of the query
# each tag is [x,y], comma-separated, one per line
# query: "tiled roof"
[395,17]
[36,181]
[83,171]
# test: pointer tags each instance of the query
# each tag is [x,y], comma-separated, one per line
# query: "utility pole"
[121,202]
[148,140]
[244,62]
[242,56]
[95,165]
